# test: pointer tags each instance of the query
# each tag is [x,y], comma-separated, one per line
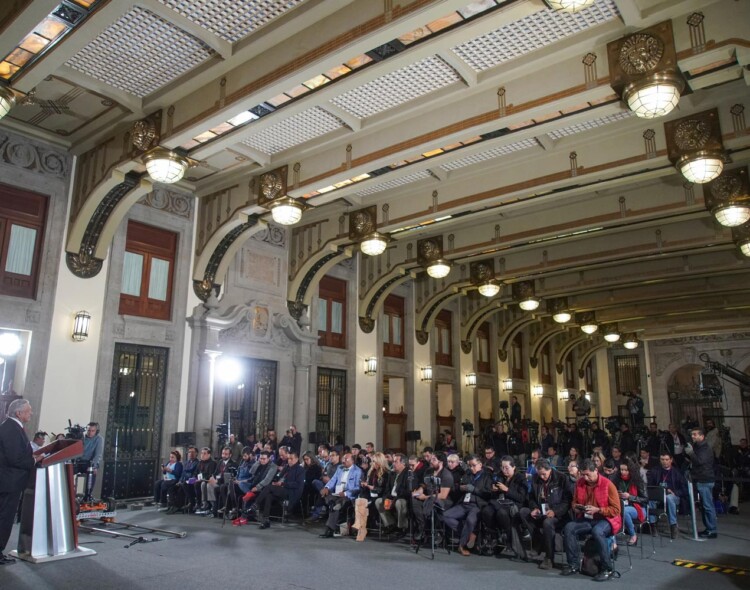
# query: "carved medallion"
[83,265]
[502,355]
[466,346]
[366,324]
[142,134]
[422,336]
[482,271]
[692,134]
[260,321]
[726,187]
[362,222]
[296,309]
[640,53]
[272,185]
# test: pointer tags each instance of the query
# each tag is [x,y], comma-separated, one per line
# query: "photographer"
[292,439]
[549,503]
[93,451]
[476,490]
[581,406]
[510,492]
[598,438]
[635,407]
[436,488]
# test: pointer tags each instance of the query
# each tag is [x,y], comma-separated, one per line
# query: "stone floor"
[292,556]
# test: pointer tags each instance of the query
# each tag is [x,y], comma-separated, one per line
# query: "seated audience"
[209,488]
[510,491]
[313,472]
[571,456]
[230,493]
[286,486]
[262,473]
[554,459]
[171,474]
[396,497]
[549,503]
[432,492]
[373,486]
[476,489]
[632,491]
[491,460]
[596,507]
[670,478]
[340,492]
[196,491]
[178,496]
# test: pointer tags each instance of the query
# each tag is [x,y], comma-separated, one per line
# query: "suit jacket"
[16,459]
[352,483]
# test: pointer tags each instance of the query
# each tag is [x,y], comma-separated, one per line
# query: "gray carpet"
[294,557]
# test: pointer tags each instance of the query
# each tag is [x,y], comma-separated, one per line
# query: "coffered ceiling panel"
[497,152]
[396,182]
[397,87]
[139,53]
[530,33]
[294,130]
[588,125]
[231,19]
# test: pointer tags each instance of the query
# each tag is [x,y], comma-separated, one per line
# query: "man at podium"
[16,463]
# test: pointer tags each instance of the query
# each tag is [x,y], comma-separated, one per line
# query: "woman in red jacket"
[632,492]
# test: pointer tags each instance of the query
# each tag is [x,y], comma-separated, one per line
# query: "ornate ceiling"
[489,124]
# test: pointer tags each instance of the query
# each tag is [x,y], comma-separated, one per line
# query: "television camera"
[75,431]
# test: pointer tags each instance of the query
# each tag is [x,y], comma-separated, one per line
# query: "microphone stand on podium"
[49,531]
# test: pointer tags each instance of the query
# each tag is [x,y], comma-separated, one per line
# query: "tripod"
[433,505]
[231,493]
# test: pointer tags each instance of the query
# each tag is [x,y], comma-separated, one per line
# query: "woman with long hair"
[632,491]
[598,458]
[373,486]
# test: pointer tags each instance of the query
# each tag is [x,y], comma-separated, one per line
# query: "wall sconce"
[523,293]
[630,341]
[587,321]
[643,71]
[430,257]
[426,374]
[371,365]
[564,394]
[728,197]
[508,384]
[611,333]
[538,390]
[482,274]
[363,228]
[695,147]
[471,379]
[81,326]
[559,310]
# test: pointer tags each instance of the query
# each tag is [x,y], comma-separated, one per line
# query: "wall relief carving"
[271,234]
[169,202]
[20,152]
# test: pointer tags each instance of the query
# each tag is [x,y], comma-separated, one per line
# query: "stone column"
[204,420]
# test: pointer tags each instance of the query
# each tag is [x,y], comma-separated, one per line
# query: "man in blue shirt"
[340,491]
[93,451]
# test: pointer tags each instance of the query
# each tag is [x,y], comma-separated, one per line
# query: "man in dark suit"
[16,463]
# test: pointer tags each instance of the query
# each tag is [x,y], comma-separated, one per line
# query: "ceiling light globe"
[569,5]
[7,100]
[630,344]
[745,248]
[165,166]
[374,244]
[654,96]
[439,269]
[701,167]
[589,328]
[731,214]
[562,317]
[489,289]
[529,304]
[286,211]
[612,337]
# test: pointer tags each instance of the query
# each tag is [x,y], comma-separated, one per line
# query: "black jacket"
[702,463]
[16,460]
[403,482]
[518,490]
[556,493]
[480,488]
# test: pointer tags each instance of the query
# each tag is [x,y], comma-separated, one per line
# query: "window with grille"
[22,219]
[443,351]
[330,420]
[483,348]
[332,312]
[147,271]
[393,327]
[627,373]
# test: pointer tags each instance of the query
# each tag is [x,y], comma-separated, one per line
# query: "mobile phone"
[580,507]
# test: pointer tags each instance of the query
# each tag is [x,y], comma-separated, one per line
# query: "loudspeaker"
[413,435]
[183,439]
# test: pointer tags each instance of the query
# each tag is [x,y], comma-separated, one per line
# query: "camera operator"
[635,407]
[549,503]
[702,471]
[598,438]
[627,440]
[435,489]
[292,439]
[236,448]
[581,406]
[499,439]
[573,438]
[515,412]
[93,450]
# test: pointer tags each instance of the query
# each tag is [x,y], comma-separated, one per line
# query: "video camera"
[223,431]
[75,431]
[504,405]
[432,480]
[612,424]
[467,427]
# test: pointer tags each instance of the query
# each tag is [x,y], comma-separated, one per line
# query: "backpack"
[591,563]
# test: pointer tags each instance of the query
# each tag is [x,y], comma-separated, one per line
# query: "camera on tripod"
[467,427]
[223,431]
[612,424]
[432,480]
[504,405]
[75,431]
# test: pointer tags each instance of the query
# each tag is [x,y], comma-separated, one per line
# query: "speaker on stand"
[412,436]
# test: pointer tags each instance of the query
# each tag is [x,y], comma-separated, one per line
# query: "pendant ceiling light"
[374,244]
[695,147]
[482,274]
[569,5]
[439,268]
[286,211]
[559,310]
[529,304]
[7,100]
[728,197]
[587,321]
[524,294]
[630,341]
[363,228]
[165,166]
[611,333]
[489,289]
[430,257]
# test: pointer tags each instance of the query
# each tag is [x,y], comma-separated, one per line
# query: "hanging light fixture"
[272,195]
[363,229]
[695,147]
[430,257]
[630,341]
[559,310]
[482,274]
[489,289]
[286,211]
[728,197]
[81,326]
[643,71]
[523,293]
[571,6]
[741,237]
[587,322]
[426,374]
[471,379]
[165,166]
[611,334]
[538,390]
[7,100]
[371,366]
